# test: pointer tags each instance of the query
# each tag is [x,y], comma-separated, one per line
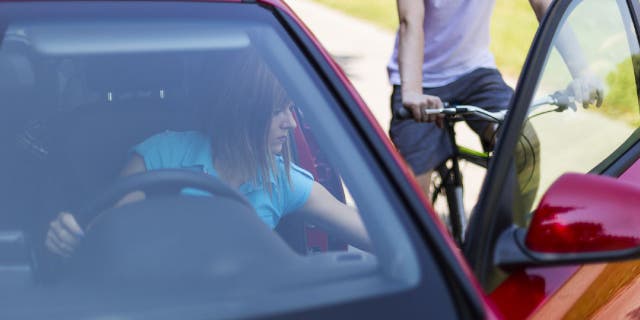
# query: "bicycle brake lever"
[563,101]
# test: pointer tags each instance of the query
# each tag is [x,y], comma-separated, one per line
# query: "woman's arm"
[135,165]
[323,210]
[65,232]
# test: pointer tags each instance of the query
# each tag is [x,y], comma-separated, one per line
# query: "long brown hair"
[239,117]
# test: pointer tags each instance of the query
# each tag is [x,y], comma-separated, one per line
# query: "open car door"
[573,183]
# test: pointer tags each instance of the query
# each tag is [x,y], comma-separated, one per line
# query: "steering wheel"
[157,183]
[171,238]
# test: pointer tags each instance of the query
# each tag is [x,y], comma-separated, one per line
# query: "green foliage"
[621,101]
[380,12]
[513,26]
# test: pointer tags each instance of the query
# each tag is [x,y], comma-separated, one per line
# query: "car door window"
[595,41]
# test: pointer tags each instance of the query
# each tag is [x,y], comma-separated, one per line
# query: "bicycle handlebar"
[560,99]
[452,110]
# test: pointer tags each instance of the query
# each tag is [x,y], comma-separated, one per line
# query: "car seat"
[137,96]
[20,163]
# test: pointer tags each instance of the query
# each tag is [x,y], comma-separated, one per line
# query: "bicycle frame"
[452,181]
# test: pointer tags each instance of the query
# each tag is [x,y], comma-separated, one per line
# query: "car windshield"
[91,90]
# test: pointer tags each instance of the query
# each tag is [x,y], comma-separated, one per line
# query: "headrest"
[136,76]
[133,72]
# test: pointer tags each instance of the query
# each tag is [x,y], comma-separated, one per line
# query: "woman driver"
[244,143]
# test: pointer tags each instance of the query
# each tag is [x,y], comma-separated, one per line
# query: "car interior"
[72,110]
[77,138]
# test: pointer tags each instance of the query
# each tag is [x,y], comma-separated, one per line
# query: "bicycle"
[450,176]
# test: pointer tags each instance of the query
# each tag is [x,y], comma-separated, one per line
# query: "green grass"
[513,25]
[621,101]
[379,12]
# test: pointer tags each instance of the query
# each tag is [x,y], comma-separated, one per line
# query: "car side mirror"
[581,218]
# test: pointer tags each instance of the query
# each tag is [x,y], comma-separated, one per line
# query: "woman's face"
[281,122]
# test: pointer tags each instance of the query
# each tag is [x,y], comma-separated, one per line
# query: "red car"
[243,144]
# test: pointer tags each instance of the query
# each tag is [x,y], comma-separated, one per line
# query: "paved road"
[360,48]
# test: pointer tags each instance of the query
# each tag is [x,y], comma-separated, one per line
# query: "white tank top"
[456,41]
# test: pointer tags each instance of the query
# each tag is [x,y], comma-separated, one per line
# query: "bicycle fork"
[452,181]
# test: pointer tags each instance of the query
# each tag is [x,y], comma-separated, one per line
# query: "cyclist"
[442,53]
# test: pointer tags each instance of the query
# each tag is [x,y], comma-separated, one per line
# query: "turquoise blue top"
[192,150]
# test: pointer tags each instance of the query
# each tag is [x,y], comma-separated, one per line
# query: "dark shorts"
[423,145]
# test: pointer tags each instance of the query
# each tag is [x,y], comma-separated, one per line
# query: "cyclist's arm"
[410,60]
[586,87]
[566,40]
[411,45]
[540,7]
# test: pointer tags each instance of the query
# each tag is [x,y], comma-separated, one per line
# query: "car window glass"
[600,45]
[91,86]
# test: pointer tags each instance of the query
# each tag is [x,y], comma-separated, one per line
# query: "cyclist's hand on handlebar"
[587,89]
[417,102]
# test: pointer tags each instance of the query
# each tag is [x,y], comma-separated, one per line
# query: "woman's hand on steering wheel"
[64,235]
[66,230]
